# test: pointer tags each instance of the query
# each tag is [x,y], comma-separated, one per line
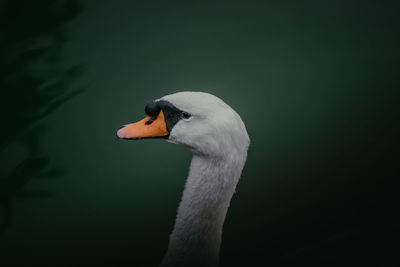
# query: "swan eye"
[186,115]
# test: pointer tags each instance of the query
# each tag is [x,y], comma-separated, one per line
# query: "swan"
[217,136]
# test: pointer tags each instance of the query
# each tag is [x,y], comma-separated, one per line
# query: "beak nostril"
[150,121]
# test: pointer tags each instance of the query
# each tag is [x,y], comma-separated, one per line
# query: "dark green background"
[315,83]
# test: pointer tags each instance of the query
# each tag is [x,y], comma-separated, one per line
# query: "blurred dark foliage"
[34,82]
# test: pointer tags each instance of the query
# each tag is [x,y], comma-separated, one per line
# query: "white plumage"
[219,141]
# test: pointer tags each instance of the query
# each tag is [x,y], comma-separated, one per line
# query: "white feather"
[219,141]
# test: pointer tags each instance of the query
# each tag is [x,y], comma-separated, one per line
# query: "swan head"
[201,121]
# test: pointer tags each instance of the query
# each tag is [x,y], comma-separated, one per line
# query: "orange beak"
[146,128]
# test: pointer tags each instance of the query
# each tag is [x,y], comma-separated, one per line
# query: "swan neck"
[196,238]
